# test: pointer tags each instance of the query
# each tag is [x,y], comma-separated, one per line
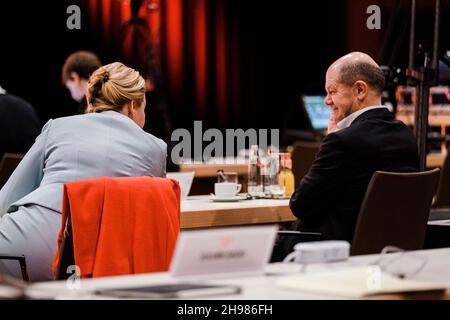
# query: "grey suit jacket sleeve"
[28,174]
[163,173]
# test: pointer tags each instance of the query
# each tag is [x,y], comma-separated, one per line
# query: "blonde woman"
[107,141]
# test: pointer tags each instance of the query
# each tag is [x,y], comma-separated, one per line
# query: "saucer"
[227,199]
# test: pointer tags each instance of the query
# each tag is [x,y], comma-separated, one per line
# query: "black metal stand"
[423,77]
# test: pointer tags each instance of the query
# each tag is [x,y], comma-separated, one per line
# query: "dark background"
[284,49]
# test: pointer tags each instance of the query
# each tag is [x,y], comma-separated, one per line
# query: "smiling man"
[363,137]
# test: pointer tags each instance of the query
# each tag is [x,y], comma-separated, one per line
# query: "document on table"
[356,282]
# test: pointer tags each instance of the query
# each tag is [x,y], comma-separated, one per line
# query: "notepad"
[355,282]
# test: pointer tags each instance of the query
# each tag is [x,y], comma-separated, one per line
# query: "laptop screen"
[184,180]
[317,111]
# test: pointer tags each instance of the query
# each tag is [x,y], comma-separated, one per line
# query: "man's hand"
[332,122]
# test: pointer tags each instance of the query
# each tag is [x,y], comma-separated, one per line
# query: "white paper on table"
[355,282]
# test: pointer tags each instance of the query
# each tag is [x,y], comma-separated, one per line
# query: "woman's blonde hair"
[112,86]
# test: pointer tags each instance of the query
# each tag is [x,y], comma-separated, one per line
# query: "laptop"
[184,180]
[318,113]
[223,252]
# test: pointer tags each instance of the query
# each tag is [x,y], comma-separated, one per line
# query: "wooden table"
[206,173]
[201,212]
[209,170]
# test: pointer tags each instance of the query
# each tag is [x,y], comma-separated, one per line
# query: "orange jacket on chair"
[121,225]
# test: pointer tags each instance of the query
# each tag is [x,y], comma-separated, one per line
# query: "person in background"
[19,124]
[363,137]
[76,71]
[107,141]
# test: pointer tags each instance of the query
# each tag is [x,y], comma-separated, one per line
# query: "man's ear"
[360,88]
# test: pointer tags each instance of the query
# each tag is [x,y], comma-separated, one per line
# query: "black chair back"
[66,255]
[8,164]
[443,190]
[395,211]
[303,156]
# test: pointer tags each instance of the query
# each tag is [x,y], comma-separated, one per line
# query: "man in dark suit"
[363,137]
[19,124]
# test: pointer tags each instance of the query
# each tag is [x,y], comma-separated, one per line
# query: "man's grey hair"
[367,72]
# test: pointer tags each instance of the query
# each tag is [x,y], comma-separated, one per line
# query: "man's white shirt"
[347,121]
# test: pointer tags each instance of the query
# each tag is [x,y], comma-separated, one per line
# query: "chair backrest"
[139,219]
[22,263]
[443,191]
[395,211]
[303,156]
[66,255]
[8,164]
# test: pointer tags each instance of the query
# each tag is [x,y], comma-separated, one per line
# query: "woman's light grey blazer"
[68,149]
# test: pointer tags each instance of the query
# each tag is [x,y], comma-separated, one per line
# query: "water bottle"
[276,191]
[253,183]
[270,174]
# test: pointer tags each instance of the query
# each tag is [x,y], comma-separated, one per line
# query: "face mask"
[76,91]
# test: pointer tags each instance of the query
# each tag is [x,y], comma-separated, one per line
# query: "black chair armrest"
[22,263]
[298,233]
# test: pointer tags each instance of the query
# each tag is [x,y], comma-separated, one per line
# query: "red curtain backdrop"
[200,56]
[174,45]
[221,63]
[194,44]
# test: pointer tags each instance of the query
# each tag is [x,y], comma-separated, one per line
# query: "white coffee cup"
[226,189]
